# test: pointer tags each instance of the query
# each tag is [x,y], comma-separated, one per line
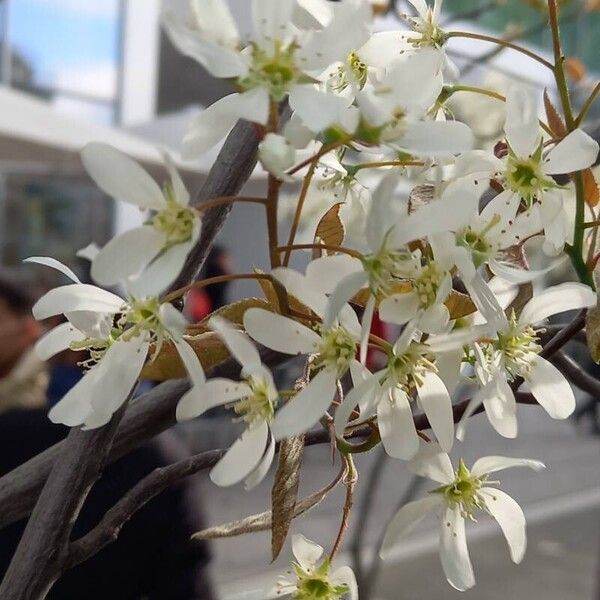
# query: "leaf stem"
[500,42]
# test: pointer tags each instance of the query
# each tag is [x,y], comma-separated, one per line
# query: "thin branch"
[576,375]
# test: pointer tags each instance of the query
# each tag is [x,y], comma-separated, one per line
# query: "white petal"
[576,152]
[238,344]
[453,211]
[122,365]
[454,553]
[405,521]
[557,299]
[53,264]
[56,340]
[492,464]
[501,407]
[217,59]
[305,409]
[421,7]
[324,274]
[477,161]
[263,466]
[121,177]
[306,552]
[75,407]
[396,425]
[280,333]
[127,255]
[511,519]
[191,362]
[345,576]
[215,16]
[456,339]
[298,286]
[435,319]
[486,303]
[213,123]
[163,270]
[505,205]
[367,321]
[437,404]
[448,366]
[348,30]
[437,138]
[182,196]
[272,20]
[172,320]
[346,289]
[242,458]
[399,308]
[380,219]
[76,297]
[431,461]
[317,110]
[351,400]
[215,392]
[89,252]
[550,388]
[522,126]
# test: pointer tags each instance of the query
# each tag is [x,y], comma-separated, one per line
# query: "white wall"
[141,44]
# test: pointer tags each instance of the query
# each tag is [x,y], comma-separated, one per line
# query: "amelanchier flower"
[514,351]
[161,245]
[427,32]
[460,496]
[279,61]
[410,373]
[527,169]
[332,348]
[118,334]
[311,577]
[254,399]
[389,228]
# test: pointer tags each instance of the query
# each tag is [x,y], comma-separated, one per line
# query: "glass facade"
[67,51]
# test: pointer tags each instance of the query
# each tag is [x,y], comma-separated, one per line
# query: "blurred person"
[154,557]
[202,302]
[23,376]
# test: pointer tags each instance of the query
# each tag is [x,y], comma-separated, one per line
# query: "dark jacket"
[153,557]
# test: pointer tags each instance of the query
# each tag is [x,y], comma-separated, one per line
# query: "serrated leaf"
[330,230]
[555,122]
[167,365]
[285,491]
[420,195]
[262,521]
[575,69]
[590,187]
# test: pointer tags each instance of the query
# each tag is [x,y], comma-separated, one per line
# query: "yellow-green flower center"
[428,284]
[383,267]
[175,221]
[275,72]
[518,344]
[464,491]
[407,370]
[526,177]
[432,35]
[337,350]
[314,584]
[354,71]
[260,405]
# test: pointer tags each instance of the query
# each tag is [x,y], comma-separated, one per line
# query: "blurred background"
[76,71]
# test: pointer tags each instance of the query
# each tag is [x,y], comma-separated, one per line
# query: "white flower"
[312,580]
[254,400]
[161,245]
[387,233]
[277,155]
[410,371]
[526,171]
[117,333]
[514,352]
[460,495]
[332,348]
[278,61]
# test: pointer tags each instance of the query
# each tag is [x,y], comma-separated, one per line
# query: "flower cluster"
[440,237]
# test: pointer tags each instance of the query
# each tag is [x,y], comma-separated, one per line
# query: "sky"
[72,44]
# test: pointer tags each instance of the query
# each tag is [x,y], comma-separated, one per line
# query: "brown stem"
[299,206]
[351,478]
[327,247]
